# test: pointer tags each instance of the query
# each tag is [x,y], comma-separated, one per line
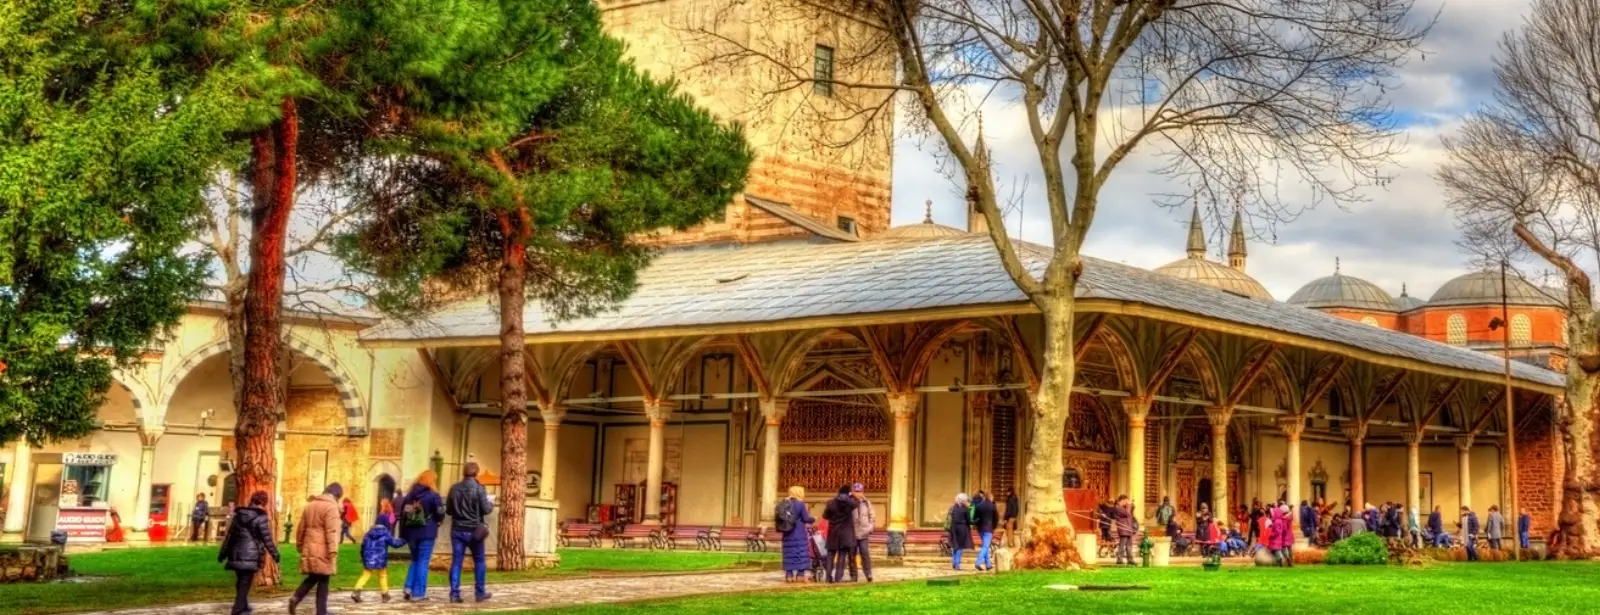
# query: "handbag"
[480,533]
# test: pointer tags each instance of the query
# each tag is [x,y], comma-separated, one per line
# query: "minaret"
[1236,252]
[976,221]
[1197,235]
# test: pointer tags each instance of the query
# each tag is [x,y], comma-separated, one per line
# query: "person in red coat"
[1281,539]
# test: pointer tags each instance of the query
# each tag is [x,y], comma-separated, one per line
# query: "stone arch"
[785,369]
[142,404]
[1121,358]
[349,395]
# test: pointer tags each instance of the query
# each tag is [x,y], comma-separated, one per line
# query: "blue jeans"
[1523,540]
[417,573]
[955,558]
[1472,548]
[461,541]
[983,551]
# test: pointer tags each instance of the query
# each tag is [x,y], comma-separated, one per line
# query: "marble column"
[772,411]
[1219,416]
[1356,432]
[658,411]
[17,505]
[1138,411]
[1413,439]
[552,448]
[1464,468]
[1293,426]
[903,408]
[147,467]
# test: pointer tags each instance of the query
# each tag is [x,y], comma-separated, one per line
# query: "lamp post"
[1503,323]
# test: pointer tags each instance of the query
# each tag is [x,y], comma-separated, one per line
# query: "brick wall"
[1430,322]
[823,192]
[1539,470]
[1386,320]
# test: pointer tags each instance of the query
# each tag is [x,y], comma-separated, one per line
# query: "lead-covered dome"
[1483,288]
[1343,291]
[1215,275]
[927,229]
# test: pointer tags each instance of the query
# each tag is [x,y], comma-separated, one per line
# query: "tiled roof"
[785,281]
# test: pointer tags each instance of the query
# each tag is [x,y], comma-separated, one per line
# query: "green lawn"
[145,577]
[1488,589]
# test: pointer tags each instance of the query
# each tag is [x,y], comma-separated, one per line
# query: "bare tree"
[1524,178]
[1230,92]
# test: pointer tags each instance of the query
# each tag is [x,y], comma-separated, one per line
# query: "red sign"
[83,524]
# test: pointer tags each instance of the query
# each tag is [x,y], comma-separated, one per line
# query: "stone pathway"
[540,594]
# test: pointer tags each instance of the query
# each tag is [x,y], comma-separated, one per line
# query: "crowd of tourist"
[412,521]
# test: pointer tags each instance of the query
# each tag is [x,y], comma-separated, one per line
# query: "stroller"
[819,556]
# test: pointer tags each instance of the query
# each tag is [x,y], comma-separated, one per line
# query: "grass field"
[145,577]
[1488,589]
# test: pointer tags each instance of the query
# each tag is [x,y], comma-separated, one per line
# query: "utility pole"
[1511,418]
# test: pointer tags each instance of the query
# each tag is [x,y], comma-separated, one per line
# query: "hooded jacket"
[249,535]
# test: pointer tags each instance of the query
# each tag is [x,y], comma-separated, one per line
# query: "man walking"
[317,537]
[1126,528]
[865,521]
[468,505]
[985,518]
[1469,532]
[1524,524]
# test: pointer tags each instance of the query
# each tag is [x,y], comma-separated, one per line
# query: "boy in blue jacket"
[375,559]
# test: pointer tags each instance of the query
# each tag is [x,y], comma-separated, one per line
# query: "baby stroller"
[819,556]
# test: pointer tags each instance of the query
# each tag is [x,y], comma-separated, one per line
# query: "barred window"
[1521,330]
[1455,330]
[822,71]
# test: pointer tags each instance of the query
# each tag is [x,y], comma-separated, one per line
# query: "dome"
[1343,291]
[1215,275]
[1483,288]
[1406,302]
[926,229]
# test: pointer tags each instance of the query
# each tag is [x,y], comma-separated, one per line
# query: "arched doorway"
[385,487]
[1203,493]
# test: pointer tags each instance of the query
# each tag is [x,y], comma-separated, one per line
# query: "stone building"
[799,341]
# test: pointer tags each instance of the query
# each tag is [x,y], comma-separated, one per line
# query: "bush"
[1309,555]
[1049,547]
[1363,549]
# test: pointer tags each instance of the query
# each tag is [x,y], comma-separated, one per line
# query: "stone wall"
[1539,470]
[31,564]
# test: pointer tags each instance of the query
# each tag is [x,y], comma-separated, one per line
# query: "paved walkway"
[541,594]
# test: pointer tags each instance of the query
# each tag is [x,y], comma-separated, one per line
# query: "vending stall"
[69,495]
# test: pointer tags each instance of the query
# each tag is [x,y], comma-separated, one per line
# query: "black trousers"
[862,549]
[841,559]
[243,580]
[319,581]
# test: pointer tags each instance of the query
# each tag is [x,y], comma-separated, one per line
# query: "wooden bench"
[755,538]
[589,532]
[636,535]
[700,534]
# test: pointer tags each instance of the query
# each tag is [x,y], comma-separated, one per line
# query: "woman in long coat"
[249,541]
[960,529]
[796,551]
[840,514]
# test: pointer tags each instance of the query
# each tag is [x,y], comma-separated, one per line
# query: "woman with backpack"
[791,519]
[420,514]
[249,540]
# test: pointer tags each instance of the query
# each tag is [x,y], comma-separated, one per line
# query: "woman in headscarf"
[796,551]
[960,523]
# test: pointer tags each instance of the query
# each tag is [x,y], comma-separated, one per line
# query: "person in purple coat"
[792,518]
[1281,541]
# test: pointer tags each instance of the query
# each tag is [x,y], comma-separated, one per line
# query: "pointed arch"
[349,394]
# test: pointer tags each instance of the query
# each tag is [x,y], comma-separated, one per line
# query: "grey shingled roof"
[787,213]
[791,280]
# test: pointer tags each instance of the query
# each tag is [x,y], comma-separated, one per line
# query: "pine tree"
[529,154]
[102,159]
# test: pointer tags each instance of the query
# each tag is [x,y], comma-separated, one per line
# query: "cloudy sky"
[1402,234]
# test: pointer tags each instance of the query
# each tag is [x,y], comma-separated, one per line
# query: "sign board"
[89,459]
[83,524]
[71,494]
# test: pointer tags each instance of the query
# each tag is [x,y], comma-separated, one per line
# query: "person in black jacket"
[469,507]
[841,515]
[984,519]
[249,539]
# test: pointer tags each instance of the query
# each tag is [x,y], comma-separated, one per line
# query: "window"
[847,225]
[1521,330]
[1455,330]
[1370,321]
[822,70]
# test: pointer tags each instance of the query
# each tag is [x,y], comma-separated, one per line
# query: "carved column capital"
[658,410]
[148,436]
[1464,442]
[774,409]
[902,405]
[1355,431]
[1413,437]
[1219,416]
[553,415]
[1138,410]
[1292,426]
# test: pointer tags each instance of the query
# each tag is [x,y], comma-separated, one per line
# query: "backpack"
[784,517]
[412,515]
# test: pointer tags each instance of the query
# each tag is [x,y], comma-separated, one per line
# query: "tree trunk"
[1579,517]
[273,198]
[1050,405]
[513,393]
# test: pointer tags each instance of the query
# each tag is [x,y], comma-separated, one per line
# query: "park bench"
[636,535]
[698,533]
[588,532]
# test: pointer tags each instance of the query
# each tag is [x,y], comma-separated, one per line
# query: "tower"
[1197,236]
[820,173]
[1236,251]
[976,222]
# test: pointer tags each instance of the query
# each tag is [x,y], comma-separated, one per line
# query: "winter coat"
[348,513]
[317,536]
[960,528]
[1497,526]
[1435,522]
[375,547]
[249,534]
[469,505]
[1202,528]
[1263,528]
[1013,507]
[1165,513]
[1126,528]
[1105,517]
[1282,536]
[796,553]
[841,515]
[432,508]
[200,512]
[985,517]
[1308,520]
[864,520]
[1470,524]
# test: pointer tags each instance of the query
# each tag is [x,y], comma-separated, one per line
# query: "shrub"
[1310,556]
[1365,548]
[1049,546]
